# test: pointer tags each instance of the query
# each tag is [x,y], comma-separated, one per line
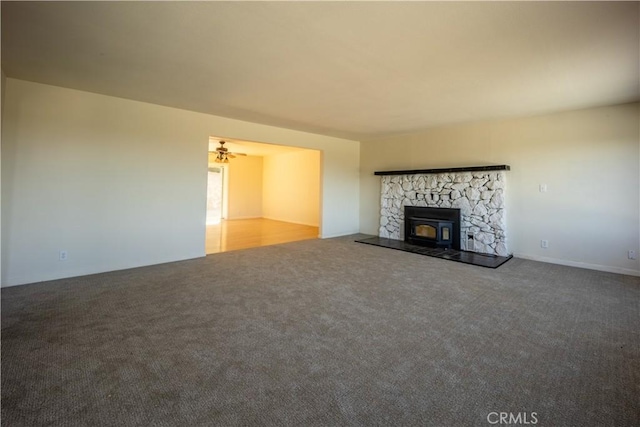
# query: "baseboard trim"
[332,235]
[239,218]
[86,271]
[588,266]
[290,222]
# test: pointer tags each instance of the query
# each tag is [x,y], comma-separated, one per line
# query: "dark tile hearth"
[482,260]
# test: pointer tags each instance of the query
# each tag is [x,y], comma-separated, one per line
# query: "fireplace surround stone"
[479,194]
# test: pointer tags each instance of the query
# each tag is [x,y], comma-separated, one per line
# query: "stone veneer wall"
[478,195]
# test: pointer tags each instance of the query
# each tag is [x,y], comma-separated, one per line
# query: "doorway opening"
[265,194]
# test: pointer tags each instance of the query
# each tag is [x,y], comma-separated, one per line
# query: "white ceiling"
[356,70]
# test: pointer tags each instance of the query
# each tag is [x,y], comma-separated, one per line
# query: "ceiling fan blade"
[238,154]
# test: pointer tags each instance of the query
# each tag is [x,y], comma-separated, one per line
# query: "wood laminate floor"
[231,235]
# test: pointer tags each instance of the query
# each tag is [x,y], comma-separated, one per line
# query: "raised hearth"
[482,260]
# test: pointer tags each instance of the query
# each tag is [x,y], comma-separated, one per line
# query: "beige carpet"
[323,332]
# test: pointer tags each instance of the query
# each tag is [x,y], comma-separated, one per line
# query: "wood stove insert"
[432,227]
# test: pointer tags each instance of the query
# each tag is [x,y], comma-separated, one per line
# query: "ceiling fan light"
[223,155]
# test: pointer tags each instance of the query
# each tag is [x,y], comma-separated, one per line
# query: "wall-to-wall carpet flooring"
[323,332]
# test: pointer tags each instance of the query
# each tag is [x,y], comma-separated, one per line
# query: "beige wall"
[589,160]
[245,187]
[292,187]
[120,183]
[2,92]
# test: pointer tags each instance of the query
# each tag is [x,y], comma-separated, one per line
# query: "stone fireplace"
[477,192]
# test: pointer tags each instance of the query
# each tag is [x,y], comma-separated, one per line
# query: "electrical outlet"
[63,255]
[543,188]
[471,242]
[631,254]
[544,244]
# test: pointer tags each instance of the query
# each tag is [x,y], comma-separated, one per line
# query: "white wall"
[119,183]
[3,81]
[589,160]
[245,187]
[292,187]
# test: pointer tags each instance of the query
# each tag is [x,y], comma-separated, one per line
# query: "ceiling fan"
[223,154]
